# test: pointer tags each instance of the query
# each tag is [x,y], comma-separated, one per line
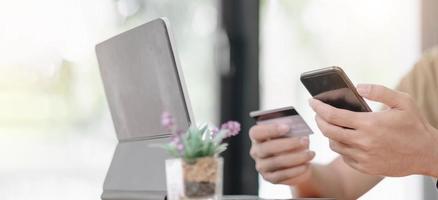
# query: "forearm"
[336,180]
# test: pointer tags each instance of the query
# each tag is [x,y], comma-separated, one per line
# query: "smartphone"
[286,115]
[332,86]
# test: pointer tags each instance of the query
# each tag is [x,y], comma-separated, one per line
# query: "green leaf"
[219,137]
[187,148]
[208,149]
[172,150]
[221,148]
[203,130]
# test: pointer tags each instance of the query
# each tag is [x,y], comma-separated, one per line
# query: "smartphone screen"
[332,86]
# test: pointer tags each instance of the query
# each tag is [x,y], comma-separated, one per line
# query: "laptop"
[142,78]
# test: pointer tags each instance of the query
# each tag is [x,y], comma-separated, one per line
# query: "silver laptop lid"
[142,78]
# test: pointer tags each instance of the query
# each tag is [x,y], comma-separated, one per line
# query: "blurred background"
[56,134]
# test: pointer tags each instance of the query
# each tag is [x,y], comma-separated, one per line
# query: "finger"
[285,174]
[260,133]
[340,117]
[284,161]
[339,134]
[379,93]
[277,146]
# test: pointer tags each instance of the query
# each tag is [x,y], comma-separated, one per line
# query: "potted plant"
[195,172]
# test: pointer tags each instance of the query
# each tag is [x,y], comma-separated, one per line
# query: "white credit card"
[286,115]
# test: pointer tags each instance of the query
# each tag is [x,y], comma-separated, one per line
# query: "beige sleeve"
[422,84]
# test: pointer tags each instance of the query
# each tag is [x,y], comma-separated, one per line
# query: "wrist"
[306,187]
[431,164]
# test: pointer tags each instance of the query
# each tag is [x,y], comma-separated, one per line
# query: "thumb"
[382,94]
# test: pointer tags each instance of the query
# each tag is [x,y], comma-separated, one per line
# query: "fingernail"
[304,140]
[363,89]
[311,153]
[283,129]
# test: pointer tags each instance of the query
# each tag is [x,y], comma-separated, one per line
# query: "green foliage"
[197,143]
[171,149]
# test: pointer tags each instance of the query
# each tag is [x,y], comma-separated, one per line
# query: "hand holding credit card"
[280,146]
[288,116]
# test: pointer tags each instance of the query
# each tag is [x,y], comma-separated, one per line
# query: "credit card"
[286,115]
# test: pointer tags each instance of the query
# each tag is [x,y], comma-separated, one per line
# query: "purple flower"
[180,148]
[232,128]
[177,142]
[214,132]
[167,120]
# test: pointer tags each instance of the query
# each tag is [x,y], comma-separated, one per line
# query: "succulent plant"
[197,142]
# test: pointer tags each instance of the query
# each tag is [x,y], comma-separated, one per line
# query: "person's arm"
[337,180]
[421,83]
[431,160]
